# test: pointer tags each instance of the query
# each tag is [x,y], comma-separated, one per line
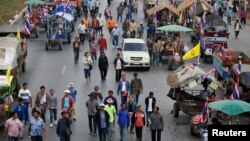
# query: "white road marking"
[64,69]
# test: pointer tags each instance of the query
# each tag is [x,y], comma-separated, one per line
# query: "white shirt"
[24,94]
[43,99]
[86,61]
[116,31]
[123,86]
[101,21]
[81,28]
[97,3]
[150,102]
[118,64]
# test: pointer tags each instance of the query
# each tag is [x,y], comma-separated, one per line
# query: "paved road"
[55,69]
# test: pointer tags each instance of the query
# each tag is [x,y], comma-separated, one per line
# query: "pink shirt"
[14,127]
[139,119]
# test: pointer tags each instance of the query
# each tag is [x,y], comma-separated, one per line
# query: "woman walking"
[87,65]
[93,49]
[138,120]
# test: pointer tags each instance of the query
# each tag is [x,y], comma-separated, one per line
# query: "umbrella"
[230,107]
[174,28]
[34,2]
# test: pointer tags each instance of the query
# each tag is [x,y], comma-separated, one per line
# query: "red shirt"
[102,43]
[139,119]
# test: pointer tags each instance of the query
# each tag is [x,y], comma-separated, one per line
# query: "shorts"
[87,73]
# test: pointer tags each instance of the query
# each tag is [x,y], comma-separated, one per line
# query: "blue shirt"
[123,117]
[21,111]
[73,94]
[103,119]
[36,127]
[66,102]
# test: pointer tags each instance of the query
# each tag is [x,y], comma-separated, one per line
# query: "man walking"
[150,102]
[131,107]
[136,87]
[73,93]
[63,127]
[21,110]
[102,43]
[13,127]
[123,121]
[157,125]
[102,121]
[36,127]
[110,96]
[91,105]
[82,32]
[67,102]
[115,33]
[237,28]
[119,12]
[53,102]
[119,64]
[25,94]
[103,65]
[101,23]
[123,89]
[111,111]
[76,49]
[132,28]
[42,97]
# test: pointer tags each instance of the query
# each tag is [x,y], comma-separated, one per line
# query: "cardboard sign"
[192,84]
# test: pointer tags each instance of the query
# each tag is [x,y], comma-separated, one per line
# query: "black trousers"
[138,132]
[118,74]
[36,138]
[103,73]
[243,21]
[153,135]
[237,33]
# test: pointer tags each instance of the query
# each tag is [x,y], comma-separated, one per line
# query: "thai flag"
[27,27]
[204,112]
[207,74]
[222,52]
[236,94]
[238,71]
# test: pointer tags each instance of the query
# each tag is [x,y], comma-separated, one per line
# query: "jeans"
[138,132]
[148,114]
[64,138]
[110,131]
[136,98]
[13,138]
[153,135]
[82,38]
[103,73]
[132,34]
[27,112]
[87,73]
[156,58]
[123,132]
[102,134]
[92,124]
[53,115]
[76,56]
[93,56]
[124,99]
[129,17]
[243,21]
[118,17]
[118,74]
[115,40]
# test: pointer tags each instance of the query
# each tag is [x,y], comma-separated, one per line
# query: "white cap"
[101,105]
[66,91]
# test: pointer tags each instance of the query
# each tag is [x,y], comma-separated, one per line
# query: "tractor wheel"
[47,46]
[192,129]
[69,38]
[176,110]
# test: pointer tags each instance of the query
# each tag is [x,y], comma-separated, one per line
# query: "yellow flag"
[8,76]
[18,35]
[193,52]
[180,18]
